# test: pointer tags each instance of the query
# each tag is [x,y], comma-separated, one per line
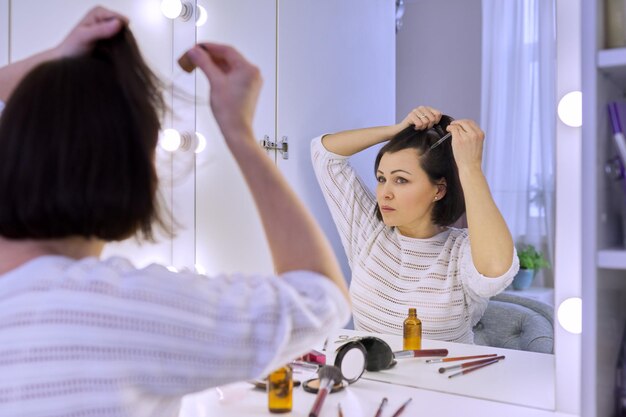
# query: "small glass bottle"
[412,331]
[280,390]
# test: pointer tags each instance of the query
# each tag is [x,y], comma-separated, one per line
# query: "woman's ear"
[442,188]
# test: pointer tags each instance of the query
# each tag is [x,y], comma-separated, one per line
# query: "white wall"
[4,32]
[438,57]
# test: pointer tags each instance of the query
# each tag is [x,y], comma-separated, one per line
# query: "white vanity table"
[497,390]
[358,400]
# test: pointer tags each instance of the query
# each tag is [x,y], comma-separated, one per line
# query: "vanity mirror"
[327,66]
[319,79]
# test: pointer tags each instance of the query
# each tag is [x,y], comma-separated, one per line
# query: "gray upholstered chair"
[515,322]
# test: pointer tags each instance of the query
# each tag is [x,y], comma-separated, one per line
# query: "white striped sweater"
[95,338]
[392,272]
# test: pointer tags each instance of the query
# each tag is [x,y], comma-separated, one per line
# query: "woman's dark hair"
[438,163]
[78,138]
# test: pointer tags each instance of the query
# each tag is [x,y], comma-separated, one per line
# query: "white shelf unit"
[603,252]
[612,58]
[612,259]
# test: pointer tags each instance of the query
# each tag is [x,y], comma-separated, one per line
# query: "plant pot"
[523,279]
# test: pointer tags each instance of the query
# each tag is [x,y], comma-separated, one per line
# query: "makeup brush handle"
[319,401]
[420,353]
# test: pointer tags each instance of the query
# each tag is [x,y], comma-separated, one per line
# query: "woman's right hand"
[235,85]
[422,117]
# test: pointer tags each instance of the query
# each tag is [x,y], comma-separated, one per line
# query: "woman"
[80,336]
[400,244]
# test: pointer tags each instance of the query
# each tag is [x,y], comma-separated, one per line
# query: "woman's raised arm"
[349,142]
[490,239]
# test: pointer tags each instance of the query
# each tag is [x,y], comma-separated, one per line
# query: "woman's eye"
[380,179]
[400,180]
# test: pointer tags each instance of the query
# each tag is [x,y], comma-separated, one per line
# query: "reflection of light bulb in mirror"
[570,109]
[172,268]
[570,315]
[170,140]
[171,8]
[201,16]
[200,142]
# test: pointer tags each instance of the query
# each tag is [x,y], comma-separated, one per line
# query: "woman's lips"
[387,209]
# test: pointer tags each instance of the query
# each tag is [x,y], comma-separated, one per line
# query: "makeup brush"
[329,376]
[420,353]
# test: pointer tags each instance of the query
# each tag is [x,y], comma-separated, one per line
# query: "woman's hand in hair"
[422,117]
[235,85]
[98,23]
[467,143]
[349,142]
[491,243]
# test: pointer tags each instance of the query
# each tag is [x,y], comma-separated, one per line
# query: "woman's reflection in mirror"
[400,242]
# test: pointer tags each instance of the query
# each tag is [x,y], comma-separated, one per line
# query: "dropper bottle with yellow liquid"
[280,390]
[412,331]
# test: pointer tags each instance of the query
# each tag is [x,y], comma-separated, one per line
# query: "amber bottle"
[280,390]
[412,331]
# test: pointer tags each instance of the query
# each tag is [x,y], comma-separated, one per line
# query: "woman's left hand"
[467,143]
[98,23]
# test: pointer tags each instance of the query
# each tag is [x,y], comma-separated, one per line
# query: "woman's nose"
[387,194]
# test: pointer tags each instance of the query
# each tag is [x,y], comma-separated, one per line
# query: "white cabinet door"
[229,234]
[326,65]
[336,71]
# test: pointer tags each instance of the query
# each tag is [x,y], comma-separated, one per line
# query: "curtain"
[518,114]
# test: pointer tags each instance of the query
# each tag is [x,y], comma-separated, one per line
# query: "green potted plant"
[530,261]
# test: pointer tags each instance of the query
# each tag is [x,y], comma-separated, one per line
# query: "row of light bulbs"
[174,9]
[570,112]
[172,140]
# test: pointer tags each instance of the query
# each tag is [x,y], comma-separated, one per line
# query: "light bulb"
[200,142]
[570,315]
[570,109]
[171,8]
[170,140]
[201,16]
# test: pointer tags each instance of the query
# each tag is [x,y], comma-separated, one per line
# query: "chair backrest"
[516,322]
